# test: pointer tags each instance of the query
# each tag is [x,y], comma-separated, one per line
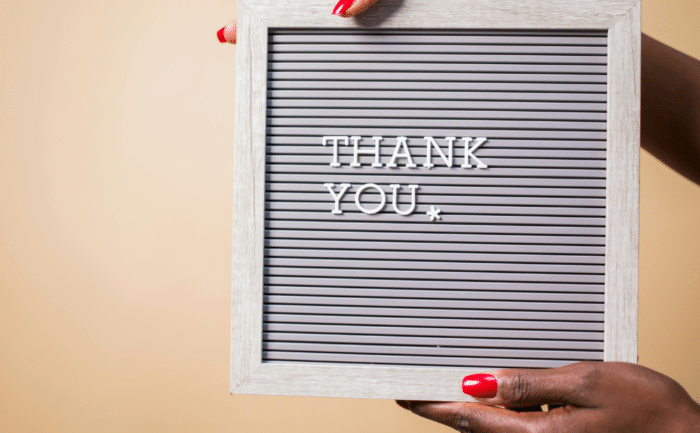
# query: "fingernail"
[342,6]
[480,385]
[227,33]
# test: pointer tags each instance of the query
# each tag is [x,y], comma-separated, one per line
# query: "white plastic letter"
[429,154]
[335,140]
[469,151]
[401,142]
[337,197]
[410,210]
[361,190]
[375,152]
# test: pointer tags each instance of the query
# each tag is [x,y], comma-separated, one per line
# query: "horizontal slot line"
[314,116]
[492,258]
[412,346]
[322,195]
[594,223]
[510,125]
[433,49]
[476,191]
[506,220]
[441,285]
[449,210]
[416,311]
[451,181]
[418,332]
[442,247]
[428,104]
[495,286]
[493,142]
[435,277]
[357,67]
[442,77]
[433,341]
[287,286]
[430,81]
[366,349]
[433,294]
[520,305]
[585,143]
[435,90]
[419,266]
[530,325]
[296,219]
[433,96]
[457,208]
[442,243]
[487,36]
[407,131]
[492,157]
[407,227]
[276,57]
[434,238]
[506,323]
[392,264]
[433,176]
[283,360]
[449,291]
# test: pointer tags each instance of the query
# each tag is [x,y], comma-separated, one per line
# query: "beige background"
[116,133]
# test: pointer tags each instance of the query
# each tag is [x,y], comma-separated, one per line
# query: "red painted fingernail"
[480,385]
[227,33]
[342,6]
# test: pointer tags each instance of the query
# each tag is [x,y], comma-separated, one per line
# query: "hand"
[350,8]
[344,8]
[609,397]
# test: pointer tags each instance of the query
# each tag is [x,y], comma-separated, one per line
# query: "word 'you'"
[401,151]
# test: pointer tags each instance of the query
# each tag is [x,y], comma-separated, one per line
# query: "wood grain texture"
[249,196]
[357,382]
[622,248]
[476,14]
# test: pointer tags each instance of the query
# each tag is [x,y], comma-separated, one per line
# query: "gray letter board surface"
[510,273]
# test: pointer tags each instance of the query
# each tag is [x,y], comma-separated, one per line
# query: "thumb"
[479,418]
[523,388]
[350,8]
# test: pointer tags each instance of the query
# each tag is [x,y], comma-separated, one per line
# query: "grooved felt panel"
[487,253]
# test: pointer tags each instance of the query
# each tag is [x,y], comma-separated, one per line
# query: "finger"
[478,418]
[350,8]
[227,33]
[527,409]
[523,388]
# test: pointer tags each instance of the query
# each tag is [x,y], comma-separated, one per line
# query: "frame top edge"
[476,14]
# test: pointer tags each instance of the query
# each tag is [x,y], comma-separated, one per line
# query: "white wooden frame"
[621,18]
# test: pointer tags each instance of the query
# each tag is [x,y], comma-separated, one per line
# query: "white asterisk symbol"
[433,213]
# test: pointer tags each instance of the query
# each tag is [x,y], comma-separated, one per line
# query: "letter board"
[412,205]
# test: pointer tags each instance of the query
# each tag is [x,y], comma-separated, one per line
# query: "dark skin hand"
[671,107]
[596,397]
